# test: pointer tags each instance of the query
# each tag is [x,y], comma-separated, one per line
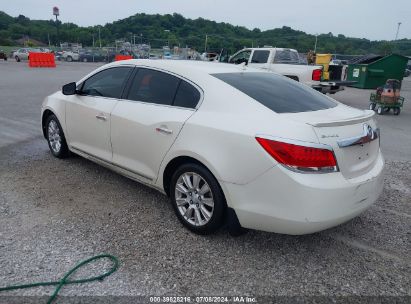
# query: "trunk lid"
[352,134]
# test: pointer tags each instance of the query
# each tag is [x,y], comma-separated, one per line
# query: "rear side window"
[154,87]
[260,56]
[107,83]
[278,93]
[286,56]
[187,96]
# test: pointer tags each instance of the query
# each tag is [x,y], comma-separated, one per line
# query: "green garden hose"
[65,281]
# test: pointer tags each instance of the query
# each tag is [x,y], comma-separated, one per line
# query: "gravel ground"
[54,213]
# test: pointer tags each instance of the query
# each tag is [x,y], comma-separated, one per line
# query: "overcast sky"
[372,19]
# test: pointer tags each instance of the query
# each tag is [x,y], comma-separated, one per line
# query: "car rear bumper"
[328,89]
[287,202]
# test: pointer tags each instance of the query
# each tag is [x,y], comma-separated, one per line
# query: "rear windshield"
[278,93]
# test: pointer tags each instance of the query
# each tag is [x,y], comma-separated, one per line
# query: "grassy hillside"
[158,30]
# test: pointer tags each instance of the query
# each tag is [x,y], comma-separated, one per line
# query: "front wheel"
[69,59]
[197,199]
[372,106]
[55,137]
[380,111]
[17,58]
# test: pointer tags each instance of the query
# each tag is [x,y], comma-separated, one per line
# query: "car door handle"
[101,116]
[164,130]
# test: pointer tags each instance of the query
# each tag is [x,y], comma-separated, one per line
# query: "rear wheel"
[69,59]
[17,58]
[380,111]
[197,199]
[386,109]
[55,137]
[396,111]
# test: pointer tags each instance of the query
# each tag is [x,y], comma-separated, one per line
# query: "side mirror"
[69,89]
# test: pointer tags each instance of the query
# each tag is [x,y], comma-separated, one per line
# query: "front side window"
[278,93]
[241,57]
[260,56]
[154,87]
[107,83]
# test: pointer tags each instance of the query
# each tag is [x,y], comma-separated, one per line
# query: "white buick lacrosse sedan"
[228,144]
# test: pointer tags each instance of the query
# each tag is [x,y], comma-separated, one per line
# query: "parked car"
[70,56]
[23,53]
[286,62]
[301,163]
[58,55]
[92,57]
[167,55]
[3,55]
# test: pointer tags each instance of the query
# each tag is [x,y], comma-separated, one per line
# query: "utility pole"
[315,45]
[205,44]
[398,30]
[99,38]
[168,37]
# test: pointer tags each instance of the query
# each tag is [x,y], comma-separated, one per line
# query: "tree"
[191,32]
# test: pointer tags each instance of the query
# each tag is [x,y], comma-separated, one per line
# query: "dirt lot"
[54,213]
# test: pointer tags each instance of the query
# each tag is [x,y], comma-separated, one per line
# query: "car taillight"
[317,74]
[300,158]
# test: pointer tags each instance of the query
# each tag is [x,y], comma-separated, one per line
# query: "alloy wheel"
[194,199]
[54,136]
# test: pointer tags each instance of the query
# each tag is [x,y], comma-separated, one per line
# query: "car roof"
[187,67]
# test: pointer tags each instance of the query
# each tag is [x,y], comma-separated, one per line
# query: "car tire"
[69,59]
[380,111]
[197,199]
[55,137]
[396,111]
[372,106]
[17,58]
[85,60]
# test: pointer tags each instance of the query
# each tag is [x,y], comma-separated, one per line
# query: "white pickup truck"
[285,62]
